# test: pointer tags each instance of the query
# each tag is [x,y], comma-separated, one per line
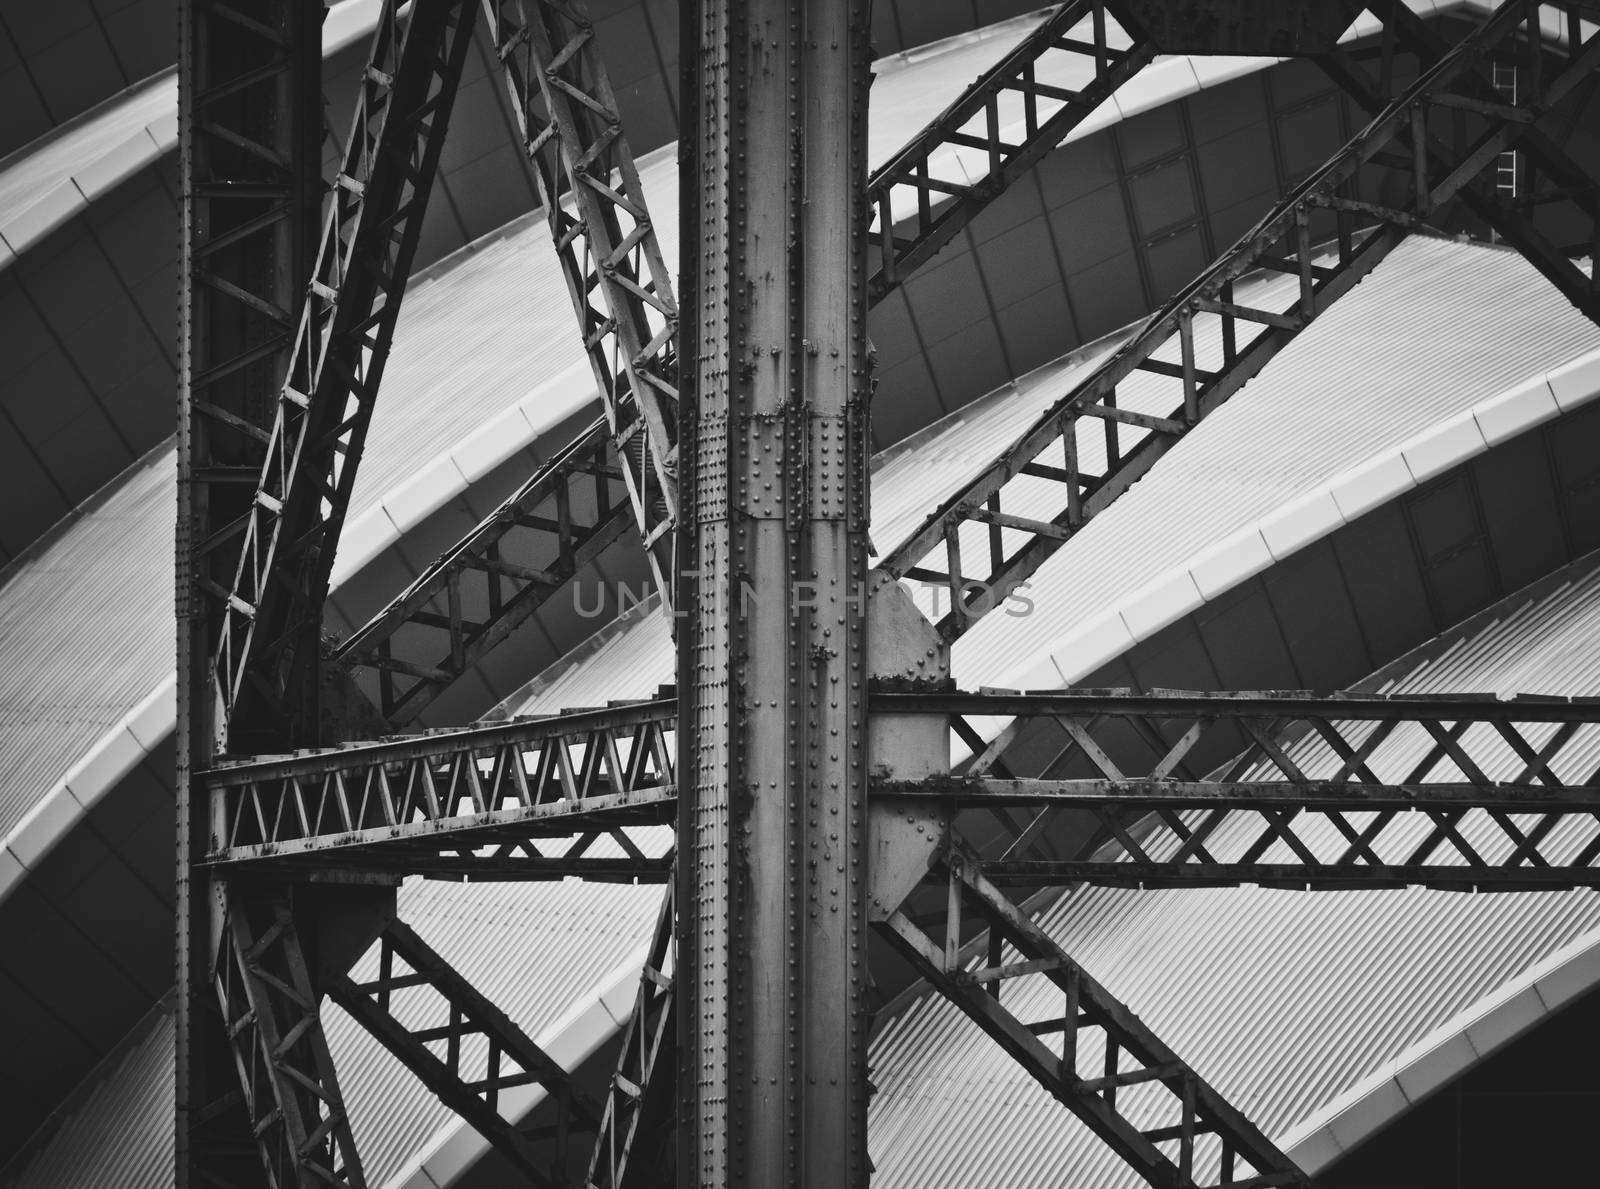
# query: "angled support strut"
[269,645]
[463,1048]
[1094,1055]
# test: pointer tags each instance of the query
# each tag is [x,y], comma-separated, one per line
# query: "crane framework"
[825,787]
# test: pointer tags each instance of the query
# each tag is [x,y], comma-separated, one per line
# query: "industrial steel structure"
[812,790]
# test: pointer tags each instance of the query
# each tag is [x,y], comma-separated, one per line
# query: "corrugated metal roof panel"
[1283,1000]
[86,630]
[534,949]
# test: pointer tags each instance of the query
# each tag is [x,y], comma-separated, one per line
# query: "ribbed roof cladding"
[533,949]
[1283,1000]
[86,632]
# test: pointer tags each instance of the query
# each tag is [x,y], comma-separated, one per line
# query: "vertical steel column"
[250,125]
[773,562]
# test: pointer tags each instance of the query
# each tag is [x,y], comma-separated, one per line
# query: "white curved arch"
[68,194]
[1509,1011]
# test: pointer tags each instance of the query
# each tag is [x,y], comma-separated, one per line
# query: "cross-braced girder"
[1173,789]
[464,1049]
[1550,188]
[1083,1045]
[269,647]
[273,1018]
[609,256]
[1192,355]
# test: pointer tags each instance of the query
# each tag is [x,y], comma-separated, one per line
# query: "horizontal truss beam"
[1283,788]
[1457,792]
[439,799]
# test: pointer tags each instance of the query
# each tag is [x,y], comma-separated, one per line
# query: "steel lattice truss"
[1314,791]
[542,535]
[274,1023]
[473,597]
[470,794]
[1160,789]
[1087,1048]
[1289,790]
[463,1048]
[605,242]
[927,192]
[271,619]
[1089,447]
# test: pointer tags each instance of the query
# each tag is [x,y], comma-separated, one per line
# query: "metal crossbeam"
[269,645]
[1334,790]
[1088,448]
[424,640]
[285,1070]
[925,194]
[605,243]
[639,1101]
[588,772]
[464,1049]
[1089,1050]
[1154,790]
